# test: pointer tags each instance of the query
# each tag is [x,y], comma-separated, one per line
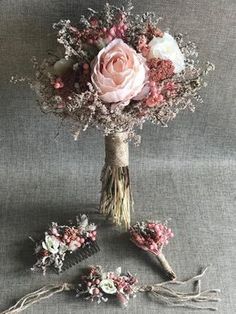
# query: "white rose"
[166,48]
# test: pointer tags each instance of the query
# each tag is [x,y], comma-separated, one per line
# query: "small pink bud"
[121,24]
[89,284]
[94,22]
[58,83]
[85,66]
[93,239]
[109,38]
[96,291]
[65,236]
[94,232]
[159,233]
[156,228]
[171,234]
[113,31]
[78,244]
[145,51]
[154,90]
[97,281]
[150,102]
[60,106]
[82,240]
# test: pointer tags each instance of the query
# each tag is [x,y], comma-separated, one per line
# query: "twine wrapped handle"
[166,266]
[117,150]
[116,197]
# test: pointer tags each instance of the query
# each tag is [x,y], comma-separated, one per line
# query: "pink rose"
[118,72]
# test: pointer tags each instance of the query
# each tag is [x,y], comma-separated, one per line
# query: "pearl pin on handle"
[152,236]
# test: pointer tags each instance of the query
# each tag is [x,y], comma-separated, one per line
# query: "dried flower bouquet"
[118,70]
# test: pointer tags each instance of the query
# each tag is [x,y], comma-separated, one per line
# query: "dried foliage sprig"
[152,236]
[64,246]
[99,286]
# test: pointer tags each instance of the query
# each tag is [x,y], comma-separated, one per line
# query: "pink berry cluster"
[98,285]
[73,237]
[97,34]
[151,236]
[159,70]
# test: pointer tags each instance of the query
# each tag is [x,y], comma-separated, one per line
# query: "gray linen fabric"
[185,172]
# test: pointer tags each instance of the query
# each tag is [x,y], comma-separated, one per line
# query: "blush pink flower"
[118,72]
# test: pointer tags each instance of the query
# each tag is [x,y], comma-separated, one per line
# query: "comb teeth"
[79,255]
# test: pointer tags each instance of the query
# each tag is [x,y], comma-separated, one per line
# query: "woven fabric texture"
[185,172]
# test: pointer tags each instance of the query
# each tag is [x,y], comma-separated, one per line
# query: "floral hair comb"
[152,236]
[65,246]
[99,286]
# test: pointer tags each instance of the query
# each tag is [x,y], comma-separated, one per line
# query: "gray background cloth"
[185,172]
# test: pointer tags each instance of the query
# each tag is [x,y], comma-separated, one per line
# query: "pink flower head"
[122,298]
[150,236]
[118,72]
[58,83]
[155,100]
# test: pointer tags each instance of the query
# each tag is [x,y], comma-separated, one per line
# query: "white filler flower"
[166,48]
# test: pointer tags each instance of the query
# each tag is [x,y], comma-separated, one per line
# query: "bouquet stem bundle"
[116,196]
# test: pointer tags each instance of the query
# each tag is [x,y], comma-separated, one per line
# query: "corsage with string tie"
[97,285]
